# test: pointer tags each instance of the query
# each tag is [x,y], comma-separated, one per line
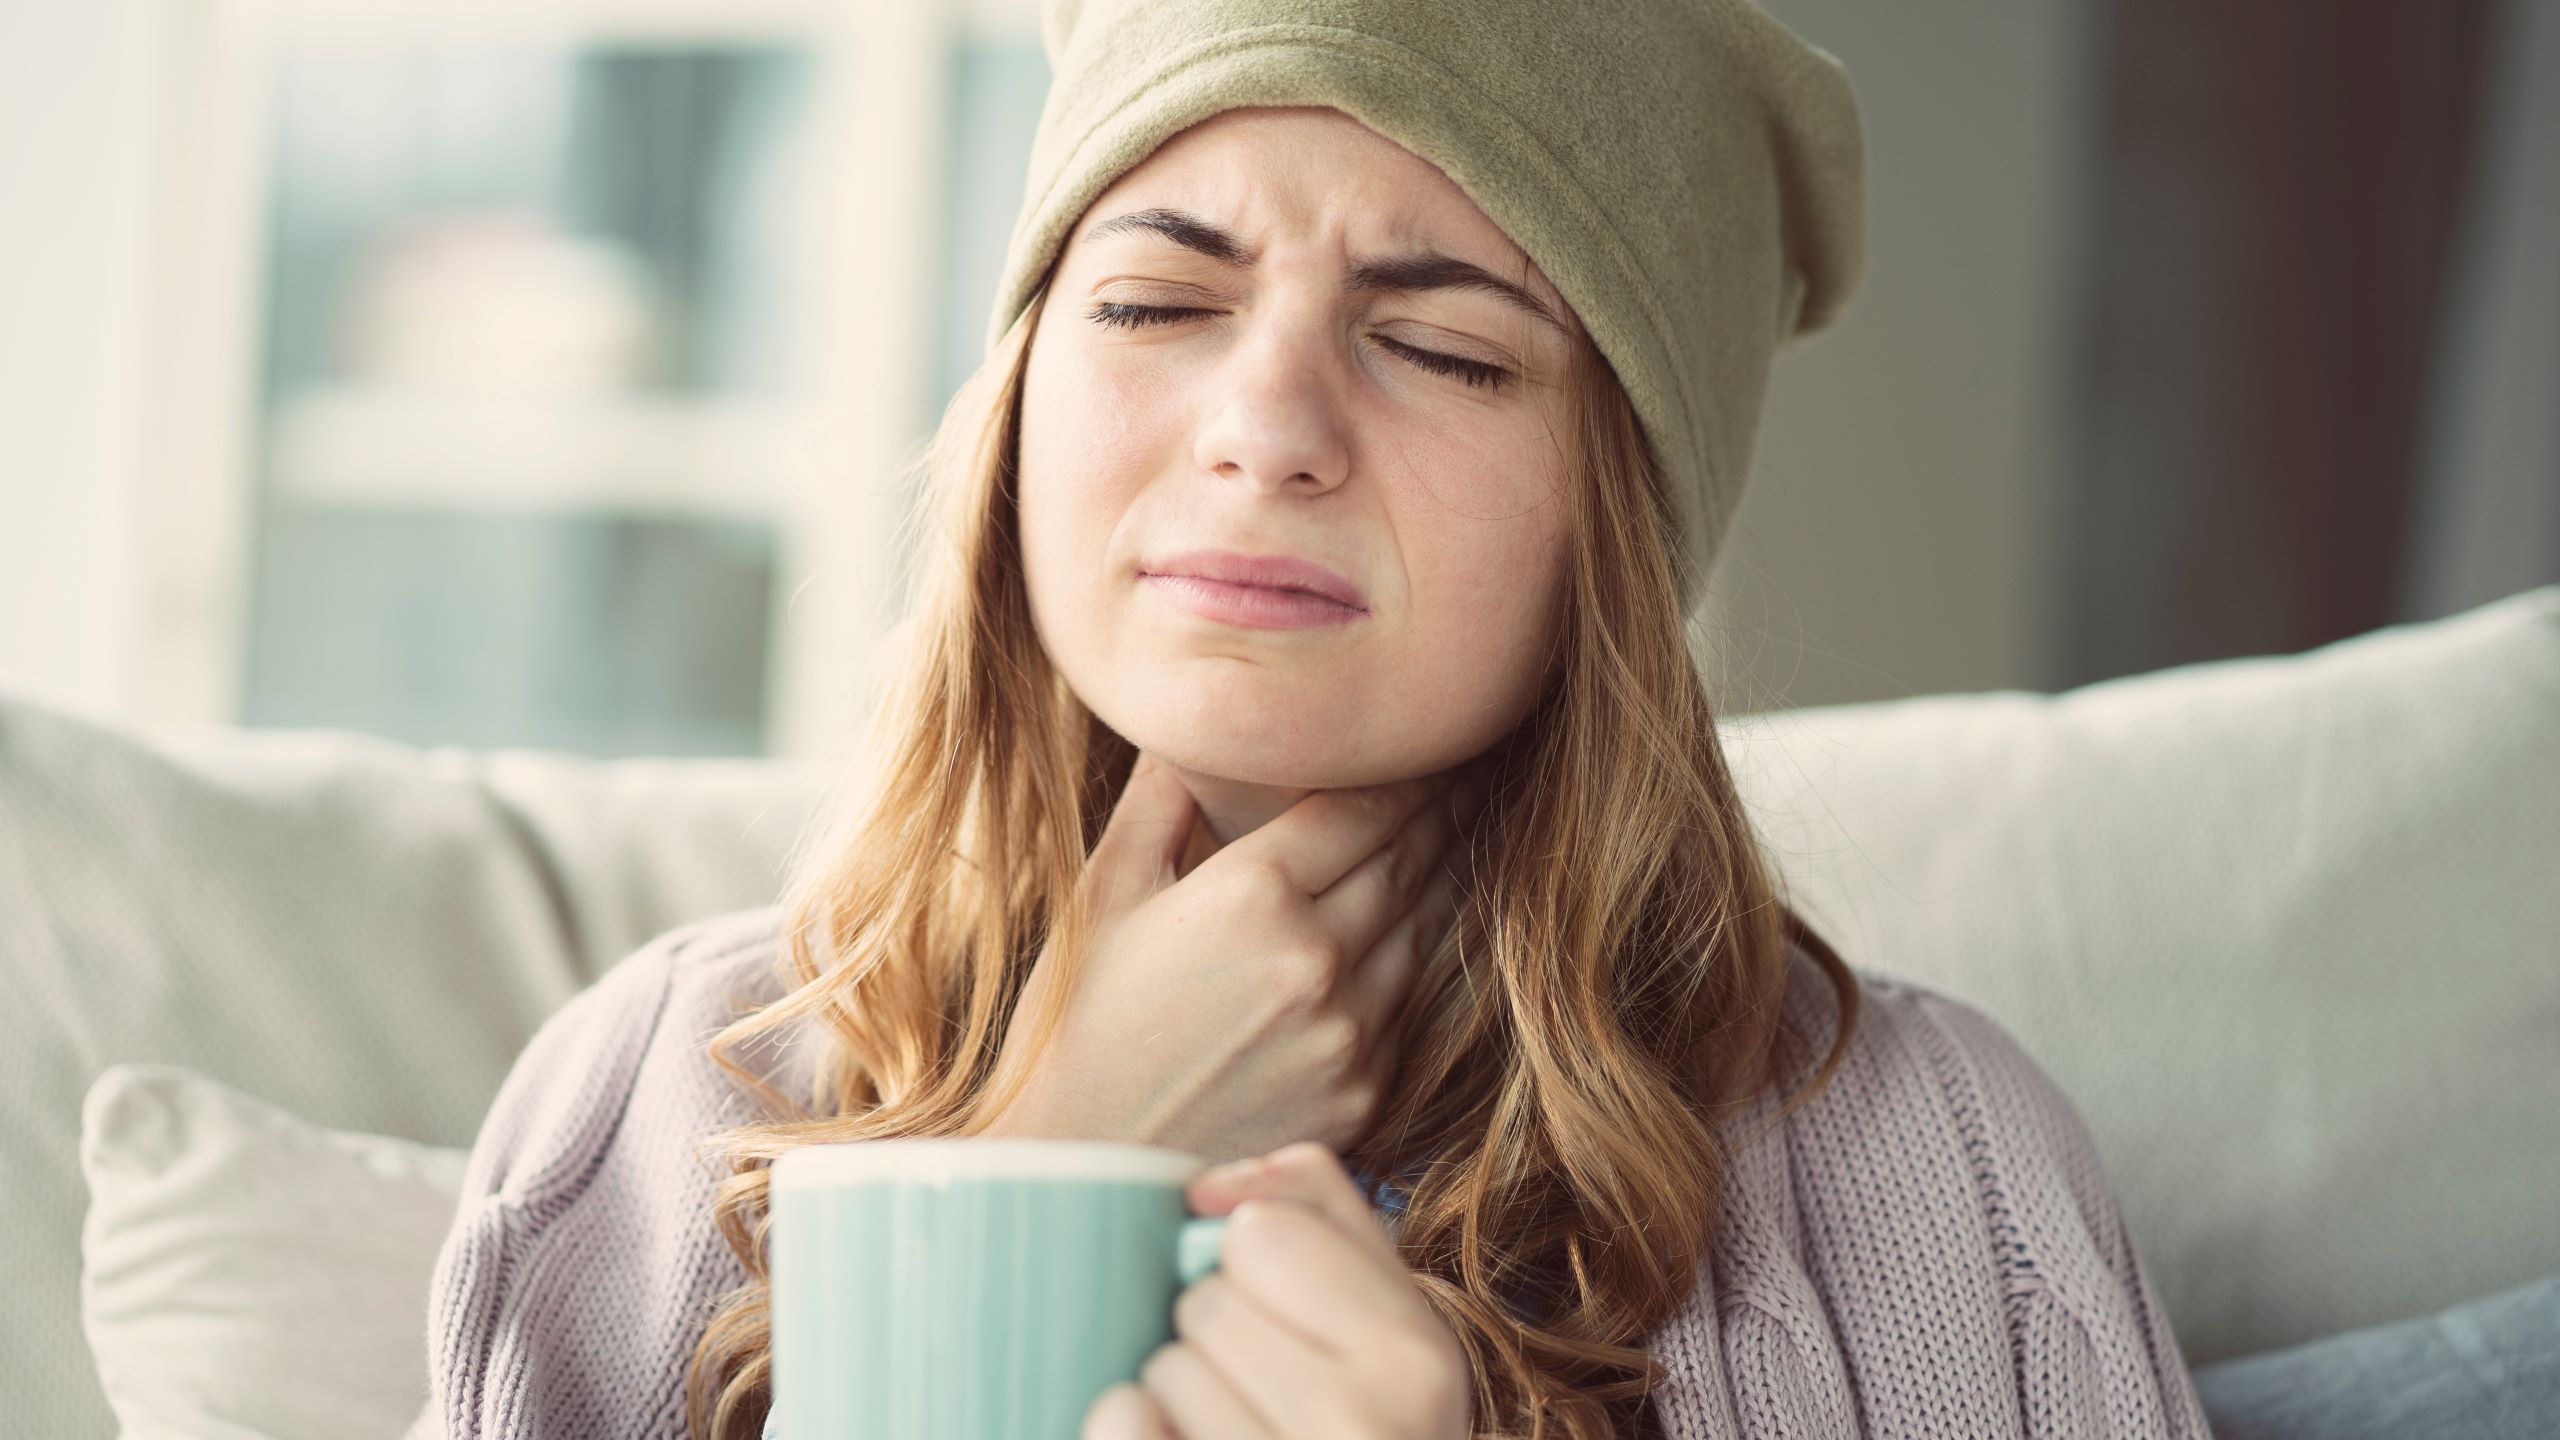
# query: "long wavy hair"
[1571,1051]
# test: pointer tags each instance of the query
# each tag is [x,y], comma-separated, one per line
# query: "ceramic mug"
[972,1289]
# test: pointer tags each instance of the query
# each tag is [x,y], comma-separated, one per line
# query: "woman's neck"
[1230,809]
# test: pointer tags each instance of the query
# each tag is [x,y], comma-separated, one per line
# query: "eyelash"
[1473,372]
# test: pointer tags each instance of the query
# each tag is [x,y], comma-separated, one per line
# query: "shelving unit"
[254,445]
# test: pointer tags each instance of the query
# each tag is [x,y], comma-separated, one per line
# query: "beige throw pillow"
[248,1275]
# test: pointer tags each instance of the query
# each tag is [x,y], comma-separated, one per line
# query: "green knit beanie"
[1688,173]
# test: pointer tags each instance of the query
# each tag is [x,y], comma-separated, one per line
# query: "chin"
[1207,733]
[1253,754]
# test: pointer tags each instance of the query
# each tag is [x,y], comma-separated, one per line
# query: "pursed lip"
[1270,572]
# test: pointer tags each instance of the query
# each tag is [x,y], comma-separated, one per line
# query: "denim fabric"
[2486,1369]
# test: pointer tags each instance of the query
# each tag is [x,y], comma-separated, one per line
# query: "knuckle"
[1336,1037]
[1326,948]
[1303,972]
[1403,866]
[1261,884]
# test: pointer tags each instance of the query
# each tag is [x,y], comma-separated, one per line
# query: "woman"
[1299,682]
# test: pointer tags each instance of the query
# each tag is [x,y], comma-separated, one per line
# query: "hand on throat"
[1230,809]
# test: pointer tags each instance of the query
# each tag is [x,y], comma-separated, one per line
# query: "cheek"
[1486,521]
[1094,419]
[1086,453]
[1486,594]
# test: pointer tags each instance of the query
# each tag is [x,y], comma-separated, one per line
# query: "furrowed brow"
[1186,230]
[1400,274]
[1430,270]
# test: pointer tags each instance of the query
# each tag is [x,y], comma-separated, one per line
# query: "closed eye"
[1473,372]
[1130,317]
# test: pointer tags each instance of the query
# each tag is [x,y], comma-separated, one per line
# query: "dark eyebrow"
[1401,274]
[1182,228]
[1431,270]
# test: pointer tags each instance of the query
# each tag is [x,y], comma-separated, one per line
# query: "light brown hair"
[1570,1053]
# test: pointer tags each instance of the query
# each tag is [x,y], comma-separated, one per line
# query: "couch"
[2286,928]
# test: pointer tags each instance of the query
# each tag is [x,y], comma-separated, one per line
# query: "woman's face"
[1290,282]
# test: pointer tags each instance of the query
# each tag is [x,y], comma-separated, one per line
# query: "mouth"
[1264,592]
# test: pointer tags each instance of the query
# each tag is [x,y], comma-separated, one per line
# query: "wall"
[1892,538]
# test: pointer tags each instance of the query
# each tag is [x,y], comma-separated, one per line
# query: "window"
[581,351]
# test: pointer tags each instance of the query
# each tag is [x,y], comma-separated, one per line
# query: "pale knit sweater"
[1927,1249]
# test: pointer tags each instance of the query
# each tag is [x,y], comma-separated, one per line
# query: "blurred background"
[543,374]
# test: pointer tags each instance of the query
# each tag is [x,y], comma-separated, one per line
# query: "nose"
[1274,420]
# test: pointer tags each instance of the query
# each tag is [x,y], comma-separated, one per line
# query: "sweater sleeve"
[2092,1348]
[567,1291]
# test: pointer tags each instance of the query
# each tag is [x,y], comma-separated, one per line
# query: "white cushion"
[2286,929]
[361,931]
[248,1275]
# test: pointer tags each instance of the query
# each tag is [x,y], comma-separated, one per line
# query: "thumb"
[1144,840]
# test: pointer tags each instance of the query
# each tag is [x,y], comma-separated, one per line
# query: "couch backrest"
[361,932]
[2287,930]
[2284,928]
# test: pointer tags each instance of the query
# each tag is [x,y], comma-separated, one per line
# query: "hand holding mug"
[1311,1326]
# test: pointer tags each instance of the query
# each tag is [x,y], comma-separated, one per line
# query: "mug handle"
[1195,1246]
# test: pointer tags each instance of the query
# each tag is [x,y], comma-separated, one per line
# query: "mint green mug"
[972,1289]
